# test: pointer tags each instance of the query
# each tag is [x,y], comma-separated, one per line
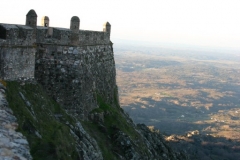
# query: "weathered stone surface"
[13,145]
[126,145]
[87,145]
[73,65]
[74,80]
[157,146]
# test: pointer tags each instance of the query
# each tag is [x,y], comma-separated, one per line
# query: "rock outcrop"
[61,87]
[13,145]
[52,133]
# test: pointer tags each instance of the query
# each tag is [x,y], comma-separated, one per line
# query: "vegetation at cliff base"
[51,132]
[42,121]
[105,130]
[47,126]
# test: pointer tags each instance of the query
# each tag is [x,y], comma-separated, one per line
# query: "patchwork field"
[190,96]
[181,90]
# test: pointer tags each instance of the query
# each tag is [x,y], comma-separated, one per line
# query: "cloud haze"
[214,23]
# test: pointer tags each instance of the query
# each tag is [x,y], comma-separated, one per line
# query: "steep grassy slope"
[42,121]
[46,124]
[107,130]
[109,134]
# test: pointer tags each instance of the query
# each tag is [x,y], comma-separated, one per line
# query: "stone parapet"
[74,66]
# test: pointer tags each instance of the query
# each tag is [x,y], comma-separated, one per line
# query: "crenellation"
[73,65]
[42,34]
[17,35]
[93,37]
[45,21]
[75,24]
[26,35]
[62,36]
[107,29]
[9,33]
[31,21]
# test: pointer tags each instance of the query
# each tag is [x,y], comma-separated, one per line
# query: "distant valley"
[190,96]
[181,90]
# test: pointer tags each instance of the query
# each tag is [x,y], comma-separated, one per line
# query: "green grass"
[55,141]
[103,132]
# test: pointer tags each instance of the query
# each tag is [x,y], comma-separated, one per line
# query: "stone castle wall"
[72,65]
[63,36]
[17,52]
[74,75]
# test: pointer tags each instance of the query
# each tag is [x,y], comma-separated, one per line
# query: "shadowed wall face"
[17,52]
[74,76]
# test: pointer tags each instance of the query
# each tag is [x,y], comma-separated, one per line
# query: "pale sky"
[213,23]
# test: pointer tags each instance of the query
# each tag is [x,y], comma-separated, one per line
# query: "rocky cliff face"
[13,145]
[66,104]
[54,134]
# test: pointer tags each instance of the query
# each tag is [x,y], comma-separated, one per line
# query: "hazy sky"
[214,23]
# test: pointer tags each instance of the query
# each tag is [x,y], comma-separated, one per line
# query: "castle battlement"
[30,33]
[71,64]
